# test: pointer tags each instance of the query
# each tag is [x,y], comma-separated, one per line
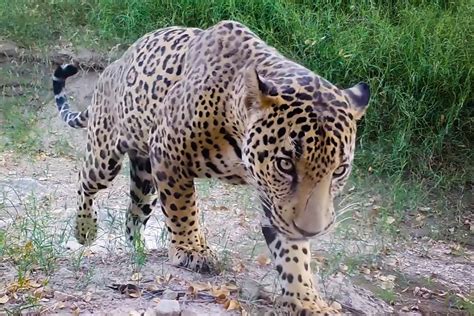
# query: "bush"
[416,55]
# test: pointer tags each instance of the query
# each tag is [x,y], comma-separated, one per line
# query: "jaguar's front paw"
[86,228]
[305,305]
[201,260]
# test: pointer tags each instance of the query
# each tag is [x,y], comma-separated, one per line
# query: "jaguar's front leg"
[188,246]
[292,261]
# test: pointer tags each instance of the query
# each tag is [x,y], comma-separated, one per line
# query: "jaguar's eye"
[285,165]
[340,171]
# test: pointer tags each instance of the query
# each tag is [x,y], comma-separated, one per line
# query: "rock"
[189,312]
[73,245]
[63,297]
[167,308]
[150,312]
[89,59]
[61,56]
[252,290]
[8,49]
[122,311]
[358,300]
[169,295]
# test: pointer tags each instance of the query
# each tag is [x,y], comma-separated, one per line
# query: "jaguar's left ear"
[257,91]
[359,96]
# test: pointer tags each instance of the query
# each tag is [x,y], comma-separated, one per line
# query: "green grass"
[416,55]
[32,244]
[22,92]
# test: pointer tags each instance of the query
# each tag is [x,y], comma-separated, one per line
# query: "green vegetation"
[20,95]
[417,56]
[32,244]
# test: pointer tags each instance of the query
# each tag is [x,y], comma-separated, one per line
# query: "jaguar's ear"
[257,91]
[359,96]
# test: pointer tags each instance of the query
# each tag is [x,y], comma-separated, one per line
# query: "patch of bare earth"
[44,270]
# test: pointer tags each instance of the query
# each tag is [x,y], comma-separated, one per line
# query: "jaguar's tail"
[72,118]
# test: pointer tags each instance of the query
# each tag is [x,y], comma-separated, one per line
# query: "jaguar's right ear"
[257,91]
[359,97]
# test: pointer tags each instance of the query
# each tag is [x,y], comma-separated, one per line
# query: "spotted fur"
[187,103]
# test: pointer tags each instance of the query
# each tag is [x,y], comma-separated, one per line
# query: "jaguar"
[186,103]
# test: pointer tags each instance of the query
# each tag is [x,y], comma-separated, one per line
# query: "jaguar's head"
[299,147]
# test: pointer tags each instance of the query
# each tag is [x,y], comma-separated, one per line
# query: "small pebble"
[167,308]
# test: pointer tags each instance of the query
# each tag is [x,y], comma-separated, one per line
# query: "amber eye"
[340,171]
[285,165]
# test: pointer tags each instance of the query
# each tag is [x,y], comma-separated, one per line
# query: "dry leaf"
[239,267]
[87,253]
[465,299]
[263,260]
[131,289]
[152,287]
[38,293]
[163,279]
[35,284]
[194,288]
[414,308]
[61,305]
[220,291]
[231,287]
[391,278]
[76,311]
[441,293]
[390,220]
[365,271]
[387,281]
[221,298]
[4,299]
[28,247]
[232,305]
[221,208]
[134,294]
[137,276]
[420,217]
[416,290]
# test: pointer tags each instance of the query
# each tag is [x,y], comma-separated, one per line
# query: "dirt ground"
[43,270]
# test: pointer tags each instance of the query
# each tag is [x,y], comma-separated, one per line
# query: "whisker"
[347,207]
[338,222]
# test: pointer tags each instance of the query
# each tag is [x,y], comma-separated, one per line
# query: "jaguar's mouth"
[306,233]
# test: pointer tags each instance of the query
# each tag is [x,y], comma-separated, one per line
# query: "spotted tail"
[72,118]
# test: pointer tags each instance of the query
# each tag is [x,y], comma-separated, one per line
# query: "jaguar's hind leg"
[142,196]
[101,165]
